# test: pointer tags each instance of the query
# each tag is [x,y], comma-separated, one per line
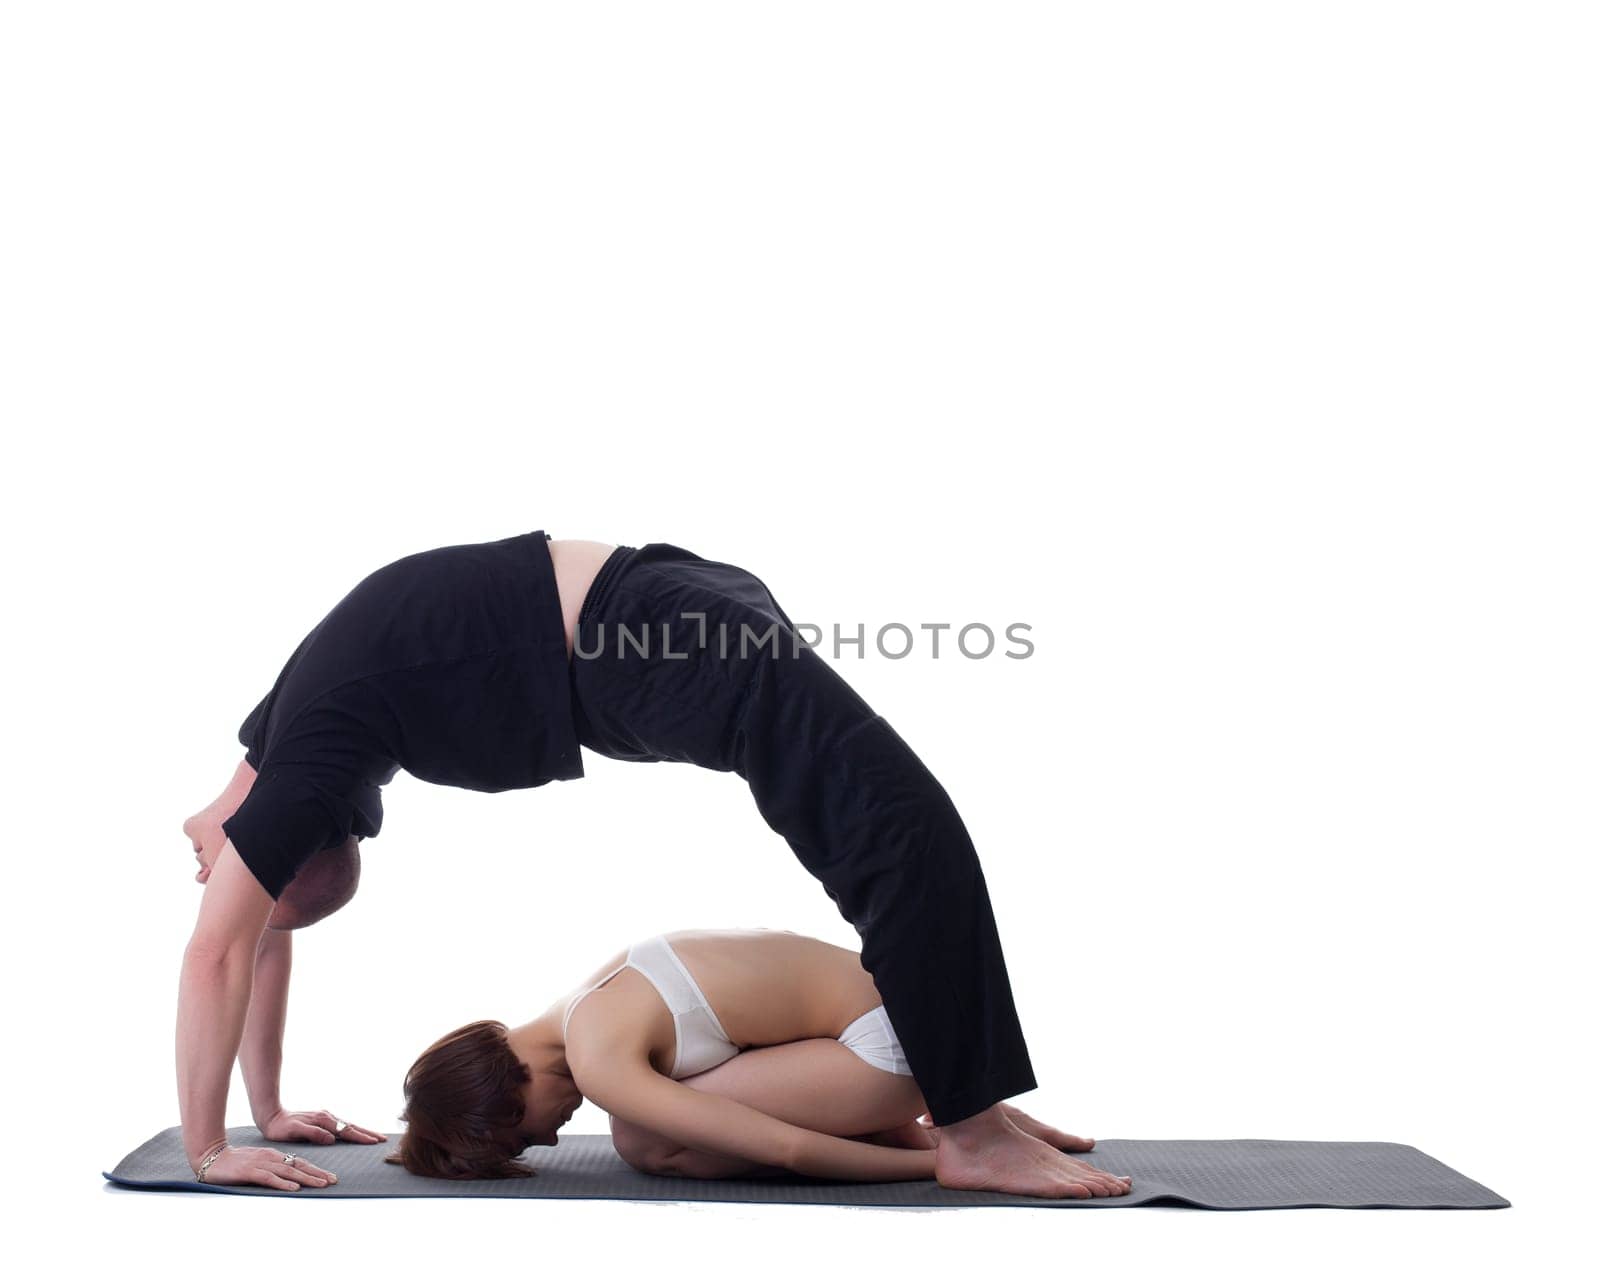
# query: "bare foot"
[991,1153]
[1040,1131]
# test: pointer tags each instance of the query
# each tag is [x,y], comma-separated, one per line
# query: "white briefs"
[701,1041]
[872,1038]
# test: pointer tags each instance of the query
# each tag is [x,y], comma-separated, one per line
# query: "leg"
[863,816]
[867,819]
[859,810]
[816,1083]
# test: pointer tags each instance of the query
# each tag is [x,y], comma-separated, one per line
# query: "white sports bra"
[701,1042]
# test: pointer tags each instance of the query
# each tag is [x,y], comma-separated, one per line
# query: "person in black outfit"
[461,666]
[678,658]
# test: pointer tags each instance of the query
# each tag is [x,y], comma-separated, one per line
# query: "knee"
[643,1149]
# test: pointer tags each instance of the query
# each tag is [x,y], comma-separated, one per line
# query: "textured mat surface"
[1242,1174]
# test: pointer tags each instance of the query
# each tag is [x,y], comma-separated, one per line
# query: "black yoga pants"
[710,672]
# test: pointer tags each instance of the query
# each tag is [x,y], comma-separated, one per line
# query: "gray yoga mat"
[1243,1174]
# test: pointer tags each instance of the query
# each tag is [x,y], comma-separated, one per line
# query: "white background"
[1245,350]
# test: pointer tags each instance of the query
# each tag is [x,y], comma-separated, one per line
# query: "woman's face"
[552,1100]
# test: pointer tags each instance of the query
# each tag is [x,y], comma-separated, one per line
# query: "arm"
[261,1055]
[213,997]
[244,777]
[261,1051]
[628,1088]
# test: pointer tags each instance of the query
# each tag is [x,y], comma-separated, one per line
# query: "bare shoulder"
[614,1022]
[604,1042]
[590,982]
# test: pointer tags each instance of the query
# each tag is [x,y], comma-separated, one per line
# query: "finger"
[357,1134]
[324,1119]
[311,1176]
[273,1180]
[311,1132]
[313,1170]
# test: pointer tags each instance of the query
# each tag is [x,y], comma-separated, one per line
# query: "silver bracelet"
[200,1175]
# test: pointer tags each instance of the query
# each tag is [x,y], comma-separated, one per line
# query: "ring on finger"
[288,1159]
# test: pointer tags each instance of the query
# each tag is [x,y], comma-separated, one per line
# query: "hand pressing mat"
[1244,1174]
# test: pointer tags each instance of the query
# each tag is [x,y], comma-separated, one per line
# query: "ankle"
[979,1126]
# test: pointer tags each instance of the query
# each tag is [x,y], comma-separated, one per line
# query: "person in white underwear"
[785,1032]
[700,1042]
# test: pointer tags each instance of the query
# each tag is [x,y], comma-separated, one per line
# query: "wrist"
[262,1114]
[211,1147]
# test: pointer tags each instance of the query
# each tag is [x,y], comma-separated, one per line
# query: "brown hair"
[322,885]
[463,1106]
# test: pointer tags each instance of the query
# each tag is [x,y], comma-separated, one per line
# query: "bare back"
[765,986]
[576,562]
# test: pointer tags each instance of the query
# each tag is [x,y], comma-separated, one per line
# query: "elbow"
[207,954]
[217,944]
